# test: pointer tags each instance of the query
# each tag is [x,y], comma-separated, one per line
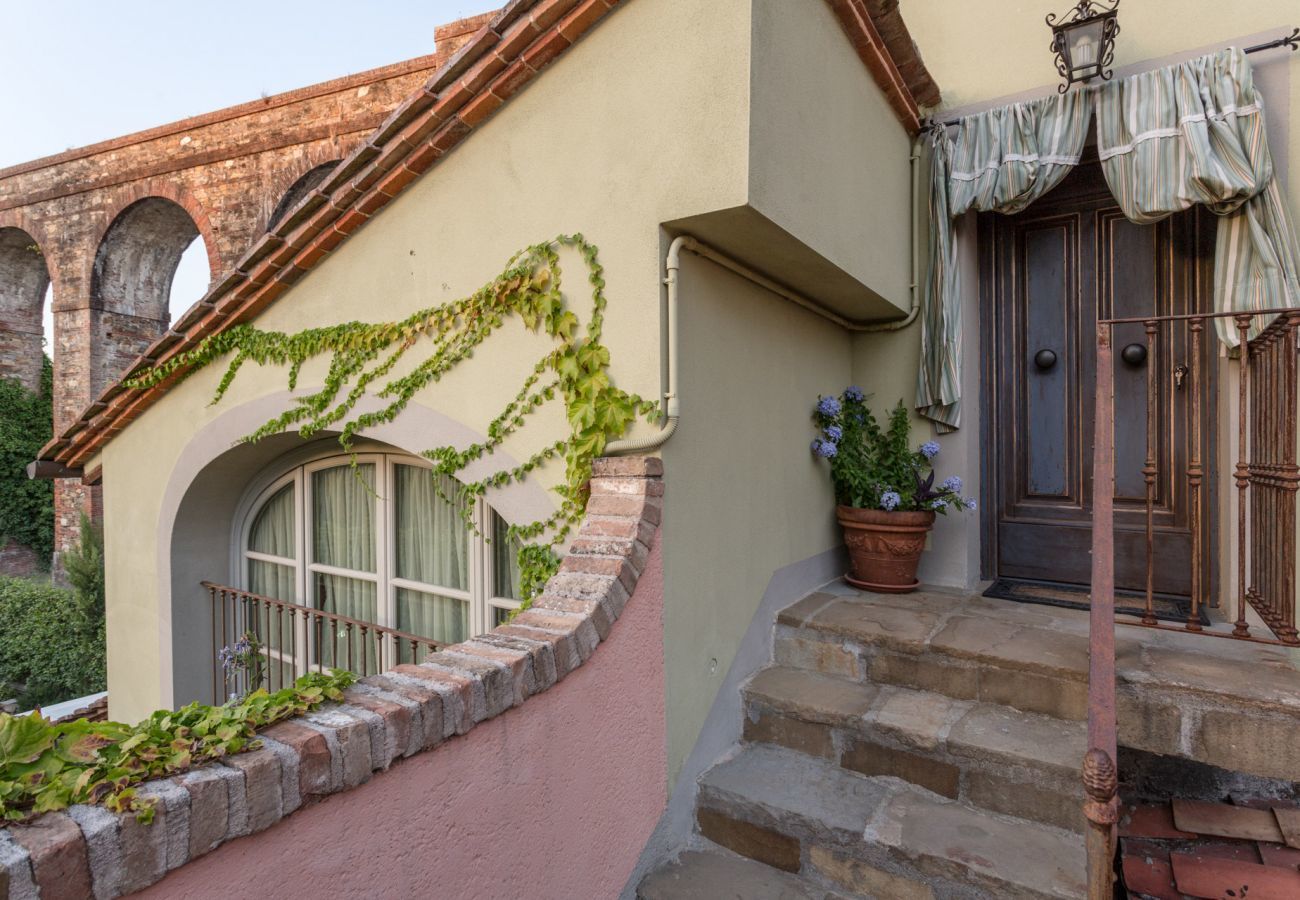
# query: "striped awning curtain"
[1194,133]
[1001,161]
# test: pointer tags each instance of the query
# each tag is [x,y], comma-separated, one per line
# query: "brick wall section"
[227,170]
[15,559]
[384,719]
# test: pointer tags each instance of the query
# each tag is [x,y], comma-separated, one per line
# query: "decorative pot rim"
[911,518]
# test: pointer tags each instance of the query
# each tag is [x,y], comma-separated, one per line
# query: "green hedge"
[51,643]
[26,506]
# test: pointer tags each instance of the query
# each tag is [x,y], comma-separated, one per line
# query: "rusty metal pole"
[1150,470]
[1290,476]
[1195,475]
[1241,629]
[1100,779]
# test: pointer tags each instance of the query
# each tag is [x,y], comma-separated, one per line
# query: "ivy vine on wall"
[362,357]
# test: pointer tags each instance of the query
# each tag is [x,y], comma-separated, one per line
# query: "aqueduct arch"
[23,282]
[112,219]
[297,191]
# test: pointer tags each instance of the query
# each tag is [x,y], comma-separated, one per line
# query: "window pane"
[343,517]
[334,643]
[273,626]
[500,615]
[505,560]
[443,619]
[272,580]
[432,540]
[272,530]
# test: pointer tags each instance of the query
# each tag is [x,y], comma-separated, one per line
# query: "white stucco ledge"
[410,709]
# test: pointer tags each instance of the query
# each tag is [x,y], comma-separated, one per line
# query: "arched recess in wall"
[24,289]
[299,189]
[203,500]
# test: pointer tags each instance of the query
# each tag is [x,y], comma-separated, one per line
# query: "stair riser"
[1161,720]
[935,671]
[842,861]
[1052,796]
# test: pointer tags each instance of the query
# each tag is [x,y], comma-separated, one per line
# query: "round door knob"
[1134,354]
[1044,359]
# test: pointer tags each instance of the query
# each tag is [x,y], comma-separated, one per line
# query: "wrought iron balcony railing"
[264,642]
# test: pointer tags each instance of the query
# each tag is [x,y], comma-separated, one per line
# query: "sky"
[77,72]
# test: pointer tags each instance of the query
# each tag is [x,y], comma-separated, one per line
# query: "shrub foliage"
[26,424]
[51,643]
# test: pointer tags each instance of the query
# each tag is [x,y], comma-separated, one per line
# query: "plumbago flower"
[242,662]
[874,466]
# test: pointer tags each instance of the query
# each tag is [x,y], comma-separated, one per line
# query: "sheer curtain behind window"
[272,533]
[432,547]
[343,536]
[505,560]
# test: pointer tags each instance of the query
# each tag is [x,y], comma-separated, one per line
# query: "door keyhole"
[1180,372]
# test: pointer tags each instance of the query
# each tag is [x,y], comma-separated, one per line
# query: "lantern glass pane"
[1083,43]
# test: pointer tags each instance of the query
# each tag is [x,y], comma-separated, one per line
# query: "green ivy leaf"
[23,738]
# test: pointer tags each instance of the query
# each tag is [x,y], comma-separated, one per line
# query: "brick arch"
[34,226]
[24,278]
[138,251]
[179,194]
[299,186]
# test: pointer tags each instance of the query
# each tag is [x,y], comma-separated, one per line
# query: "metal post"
[1241,629]
[1100,779]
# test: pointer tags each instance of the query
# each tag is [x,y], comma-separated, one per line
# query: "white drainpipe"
[672,267]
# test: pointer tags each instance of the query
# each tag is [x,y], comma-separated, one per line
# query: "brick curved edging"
[385,718]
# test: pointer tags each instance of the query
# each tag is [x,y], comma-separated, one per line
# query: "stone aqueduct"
[104,226]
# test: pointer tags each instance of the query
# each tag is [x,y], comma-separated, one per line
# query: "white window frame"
[481,580]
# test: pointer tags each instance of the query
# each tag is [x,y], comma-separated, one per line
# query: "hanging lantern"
[1085,42]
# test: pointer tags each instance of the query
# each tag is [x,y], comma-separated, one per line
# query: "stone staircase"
[928,746]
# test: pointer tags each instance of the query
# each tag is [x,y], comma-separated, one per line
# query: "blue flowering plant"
[874,467]
[244,665]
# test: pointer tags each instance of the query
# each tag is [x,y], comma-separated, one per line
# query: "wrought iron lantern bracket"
[1084,43]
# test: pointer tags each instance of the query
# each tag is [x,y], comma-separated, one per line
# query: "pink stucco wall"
[553,799]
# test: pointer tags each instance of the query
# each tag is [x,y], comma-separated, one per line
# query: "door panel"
[1048,274]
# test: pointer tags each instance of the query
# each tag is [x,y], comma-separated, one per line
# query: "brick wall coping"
[89,851]
[493,65]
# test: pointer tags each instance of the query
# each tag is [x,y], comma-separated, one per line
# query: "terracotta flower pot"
[884,547]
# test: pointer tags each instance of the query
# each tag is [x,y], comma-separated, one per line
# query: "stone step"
[705,875]
[1009,761]
[1227,703]
[878,836]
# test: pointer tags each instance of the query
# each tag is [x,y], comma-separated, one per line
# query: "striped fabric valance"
[1168,139]
[1194,133]
[1002,161]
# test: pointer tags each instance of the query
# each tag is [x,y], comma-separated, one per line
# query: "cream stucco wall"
[638,124]
[648,123]
[827,160]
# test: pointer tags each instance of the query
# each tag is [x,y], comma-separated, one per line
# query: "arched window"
[381,544]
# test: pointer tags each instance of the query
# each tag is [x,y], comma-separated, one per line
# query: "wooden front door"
[1047,275]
